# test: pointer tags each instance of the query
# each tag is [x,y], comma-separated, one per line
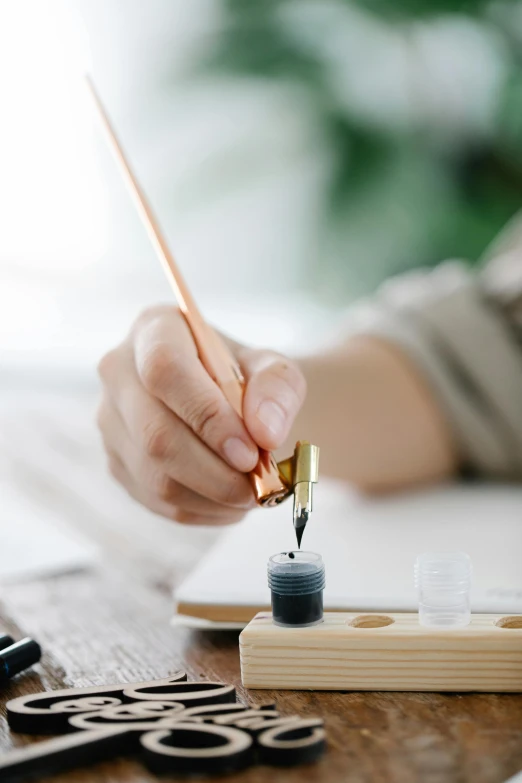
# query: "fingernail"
[272,415]
[239,454]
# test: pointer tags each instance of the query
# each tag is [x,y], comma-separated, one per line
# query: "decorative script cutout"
[171,725]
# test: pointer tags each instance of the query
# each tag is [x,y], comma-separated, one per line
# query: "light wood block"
[377,652]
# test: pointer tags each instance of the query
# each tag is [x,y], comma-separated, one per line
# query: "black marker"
[5,640]
[17,657]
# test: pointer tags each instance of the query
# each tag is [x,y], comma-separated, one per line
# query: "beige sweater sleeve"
[464,332]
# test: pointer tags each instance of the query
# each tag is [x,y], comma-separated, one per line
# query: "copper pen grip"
[269,486]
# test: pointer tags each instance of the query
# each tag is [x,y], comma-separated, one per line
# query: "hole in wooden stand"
[371,621]
[509,622]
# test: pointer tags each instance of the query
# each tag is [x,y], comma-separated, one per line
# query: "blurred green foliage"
[410,193]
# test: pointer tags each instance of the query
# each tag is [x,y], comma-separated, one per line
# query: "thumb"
[274,393]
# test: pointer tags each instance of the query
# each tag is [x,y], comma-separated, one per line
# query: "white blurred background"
[75,264]
[325,145]
[238,168]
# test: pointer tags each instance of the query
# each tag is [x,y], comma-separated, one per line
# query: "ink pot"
[443,581]
[296,580]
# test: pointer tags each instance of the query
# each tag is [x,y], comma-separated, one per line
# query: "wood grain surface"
[111,624]
[389,652]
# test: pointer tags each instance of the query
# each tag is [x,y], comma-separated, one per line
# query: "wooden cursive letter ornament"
[171,725]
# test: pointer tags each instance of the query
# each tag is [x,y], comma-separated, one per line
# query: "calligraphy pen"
[272,482]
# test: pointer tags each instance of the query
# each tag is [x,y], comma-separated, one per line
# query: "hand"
[172,438]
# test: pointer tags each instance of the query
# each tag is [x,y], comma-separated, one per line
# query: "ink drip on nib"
[300,521]
[305,476]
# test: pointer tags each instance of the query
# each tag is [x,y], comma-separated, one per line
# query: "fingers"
[145,479]
[163,439]
[172,438]
[135,490]
[275,391]
[170,370]
[176,513]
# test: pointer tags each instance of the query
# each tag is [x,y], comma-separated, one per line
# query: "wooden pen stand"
[383,652]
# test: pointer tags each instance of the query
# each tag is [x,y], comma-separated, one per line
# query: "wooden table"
[111,624]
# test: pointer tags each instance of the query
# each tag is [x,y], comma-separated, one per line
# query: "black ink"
[297,609]
[296,581]
[300,523]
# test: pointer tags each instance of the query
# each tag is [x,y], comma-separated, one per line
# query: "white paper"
[369,548]
[200,624]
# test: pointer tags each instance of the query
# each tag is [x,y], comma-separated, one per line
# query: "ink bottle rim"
[301,574]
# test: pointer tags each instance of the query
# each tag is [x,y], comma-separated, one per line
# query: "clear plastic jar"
[443,582]
[296,580]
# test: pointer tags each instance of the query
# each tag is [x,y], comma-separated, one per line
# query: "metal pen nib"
[302,508]
[306,474]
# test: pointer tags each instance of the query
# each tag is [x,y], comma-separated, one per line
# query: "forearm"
[374,417]
[431,383]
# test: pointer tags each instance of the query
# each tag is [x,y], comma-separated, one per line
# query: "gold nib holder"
[274,482]
[302,467]
[301,472]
